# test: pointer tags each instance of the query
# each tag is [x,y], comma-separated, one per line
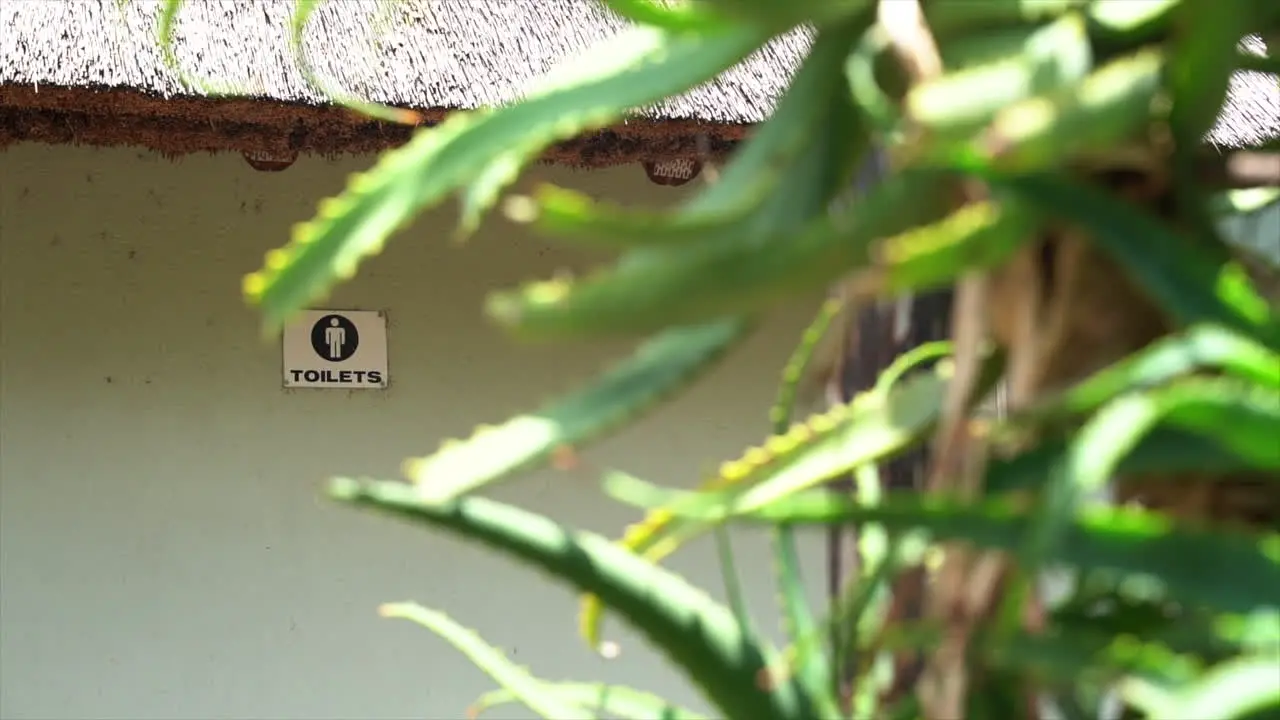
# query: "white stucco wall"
[164,549]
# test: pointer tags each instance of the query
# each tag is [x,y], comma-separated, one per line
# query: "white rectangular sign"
[345,349]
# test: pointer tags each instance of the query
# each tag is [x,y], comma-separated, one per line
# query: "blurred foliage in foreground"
[1045,159]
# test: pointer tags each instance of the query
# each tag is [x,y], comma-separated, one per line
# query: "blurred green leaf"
[1226,569]
[697,634]
[536,695]
[659,366]
[613,700]
[1235,689]
[482,150]
[1187,280]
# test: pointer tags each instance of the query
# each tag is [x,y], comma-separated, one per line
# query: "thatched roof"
[90,71]
[78,62]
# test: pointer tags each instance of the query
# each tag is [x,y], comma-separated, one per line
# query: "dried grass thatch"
[90,71]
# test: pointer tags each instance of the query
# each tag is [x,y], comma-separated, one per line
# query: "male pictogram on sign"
[334,338]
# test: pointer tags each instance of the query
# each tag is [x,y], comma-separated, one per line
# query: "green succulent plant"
[1009,128]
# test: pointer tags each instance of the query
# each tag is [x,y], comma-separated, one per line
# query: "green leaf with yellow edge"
[870,428]
[792,152]
[1032,61]
[615,701]
[785,170]
[725,275]
[569,216]
[807,655]
[530,691]
[1235,572]
[1093,118]
[637,67]
[1187,278]
[658,367]
[697,634]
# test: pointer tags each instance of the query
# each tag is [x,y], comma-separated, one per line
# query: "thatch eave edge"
[179,125]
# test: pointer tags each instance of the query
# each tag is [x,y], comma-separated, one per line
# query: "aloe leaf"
[656,369]
[812,666]
[1242,418]
[302,10]
[786,173]
[1197,348]
[960,19]
[530,691]
[569,216]
[733,584]
[637,67]
[723,276]
[697,634]
[797,366]
[1092,117]
[785,14]
[1186,279]
[1234,689]
[867,430]
[1089,464]
[1246,201]
[617,701]
[912,360]
[1232,571]
[1165,449]
[1200,68]
[165,26]
[681,15]
[793,145]
[1033,61]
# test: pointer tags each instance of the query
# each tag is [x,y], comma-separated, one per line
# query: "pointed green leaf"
[1187,279]
[797,366]
[570,216]
[617,701]
[694,632]
[722,276]
[1232,571]
[637,67]
[956,20]
[534,694]
[794,151]
[870,429]
[1032,61]
[785,171]
[784,14]
[1235,689]
[1202,347]
[656,369]
[1247,201]
[1165,450]
[678,15]
[1090,118]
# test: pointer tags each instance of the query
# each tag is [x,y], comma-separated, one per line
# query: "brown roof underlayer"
[181,126]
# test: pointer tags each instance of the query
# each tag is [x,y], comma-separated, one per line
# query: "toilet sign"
[344,349]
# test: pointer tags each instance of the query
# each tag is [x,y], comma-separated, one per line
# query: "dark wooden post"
[875,336]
